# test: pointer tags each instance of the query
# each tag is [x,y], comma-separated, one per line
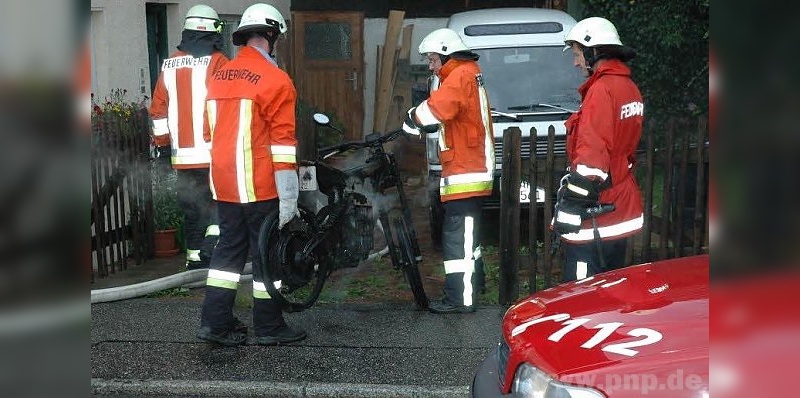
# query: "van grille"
[559,148]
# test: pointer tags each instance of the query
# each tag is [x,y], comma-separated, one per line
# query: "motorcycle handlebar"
[369,141]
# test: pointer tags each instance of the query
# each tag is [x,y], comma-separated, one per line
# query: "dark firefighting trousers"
[199,214]
[239,225]
[583,259]
[463,265]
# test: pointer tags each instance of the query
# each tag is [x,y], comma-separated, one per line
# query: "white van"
[530,80]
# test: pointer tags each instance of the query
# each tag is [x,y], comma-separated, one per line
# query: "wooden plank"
[663,232]
[405,47]
[549,244]
[97,212]
[383,92]
[680,204]
[533,217]
[648,194]
[509,217]
[379,56]
[700,224]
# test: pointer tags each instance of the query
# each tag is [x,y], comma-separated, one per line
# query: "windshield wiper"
[511,116]
[530,107]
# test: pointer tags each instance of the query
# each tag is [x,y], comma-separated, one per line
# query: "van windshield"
[530,75]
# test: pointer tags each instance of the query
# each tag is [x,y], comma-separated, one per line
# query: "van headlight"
[530,382]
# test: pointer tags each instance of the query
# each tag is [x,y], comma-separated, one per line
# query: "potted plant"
[167,216]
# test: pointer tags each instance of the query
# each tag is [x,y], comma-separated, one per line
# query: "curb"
[206,388]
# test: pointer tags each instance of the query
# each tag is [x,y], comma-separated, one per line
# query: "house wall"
[120,55]
[119,39]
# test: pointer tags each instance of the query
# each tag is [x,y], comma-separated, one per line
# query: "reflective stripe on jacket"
[602,138]
[466,140]
[251,114]
[178,106]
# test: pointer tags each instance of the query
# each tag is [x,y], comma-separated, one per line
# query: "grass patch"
[491,266]
[171,292]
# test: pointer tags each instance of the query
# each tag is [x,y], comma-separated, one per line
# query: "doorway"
[328,66]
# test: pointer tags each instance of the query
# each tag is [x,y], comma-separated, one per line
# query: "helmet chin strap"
[589,57]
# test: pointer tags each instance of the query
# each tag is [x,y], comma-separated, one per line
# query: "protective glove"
[411,126]
[579,187]
[569,215]
[288,191]
[575,195]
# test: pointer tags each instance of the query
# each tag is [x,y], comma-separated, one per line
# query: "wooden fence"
[122,206]
[122,227]
[672,172]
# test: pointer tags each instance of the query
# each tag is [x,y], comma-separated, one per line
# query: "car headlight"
[530,382]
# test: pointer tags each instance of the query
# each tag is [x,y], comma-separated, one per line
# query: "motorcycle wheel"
[409,263]
[294,282]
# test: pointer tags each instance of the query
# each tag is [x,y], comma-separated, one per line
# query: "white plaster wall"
[119,43]
[37,40]
[374,36]
[119,46]
[119,39]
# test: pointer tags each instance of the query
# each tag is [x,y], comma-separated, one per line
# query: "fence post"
[666,206]
[533,216]
[509,216]
[648,194]
[680,197]
[699,199]
[548,208]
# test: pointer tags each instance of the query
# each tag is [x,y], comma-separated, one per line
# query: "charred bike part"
[348,182]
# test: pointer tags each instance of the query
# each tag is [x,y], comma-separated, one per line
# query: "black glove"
[576,194]
[579,187]
[411,126]
[569,212]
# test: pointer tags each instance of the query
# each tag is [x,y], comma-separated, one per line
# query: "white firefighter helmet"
[593,32]
[442,41]
[203,18]
[258,17]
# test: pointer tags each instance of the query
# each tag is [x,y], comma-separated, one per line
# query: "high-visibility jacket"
[466,141]
[602,138]
[251,114]
[178,105]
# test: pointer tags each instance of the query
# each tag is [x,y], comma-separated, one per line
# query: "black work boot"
[227,338]
[217,324]
[282,335]
[445,307]
[270,327]
[479,277]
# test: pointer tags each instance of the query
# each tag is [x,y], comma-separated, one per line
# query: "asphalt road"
[146,347]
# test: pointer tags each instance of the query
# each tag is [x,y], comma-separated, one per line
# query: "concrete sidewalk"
[146,347]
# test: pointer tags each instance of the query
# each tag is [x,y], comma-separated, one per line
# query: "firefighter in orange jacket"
[251,115]
[459,111]
[177,113]
[602,138]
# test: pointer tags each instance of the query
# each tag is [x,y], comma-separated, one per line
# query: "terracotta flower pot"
[165,244]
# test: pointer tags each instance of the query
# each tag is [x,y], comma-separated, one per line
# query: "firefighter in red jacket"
[602,138]
[251,116]
[459,110]
[177,113]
